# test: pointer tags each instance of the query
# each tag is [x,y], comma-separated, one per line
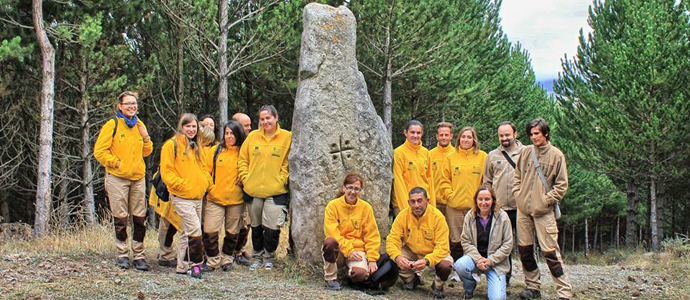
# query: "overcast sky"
[548,29]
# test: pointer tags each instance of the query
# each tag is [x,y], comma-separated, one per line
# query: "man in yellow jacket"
[121,147]
[411,167]
[444,134]
[419,239]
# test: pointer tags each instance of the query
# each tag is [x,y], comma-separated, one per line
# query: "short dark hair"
[271,109]
[413,123]
[542,125]
[418,190]
[507,123]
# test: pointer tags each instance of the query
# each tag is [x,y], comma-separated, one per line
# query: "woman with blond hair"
[122,144]
[487,238]
[462,175]
[182,171]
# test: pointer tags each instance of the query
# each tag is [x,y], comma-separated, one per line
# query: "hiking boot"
[438,293]
[206,268]
[530,294]
[256,264]
[140,264]
[227,267]
[333,285]
[410,286]
[268,264]
[195,272]
[123,262]
[242,259]
[168,263]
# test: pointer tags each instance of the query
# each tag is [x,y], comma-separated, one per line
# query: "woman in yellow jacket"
[182,171]
[225,205]
[121,147]
[263,170]
[462,175]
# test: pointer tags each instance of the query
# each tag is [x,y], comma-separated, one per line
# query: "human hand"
[142,130]
[483,264]
[238,182]
[419,264]
[403,263]
[372,267]
[355,256]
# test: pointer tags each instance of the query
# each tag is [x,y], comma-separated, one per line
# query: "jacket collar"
[445,149]
[263,132]
[464,152]
[412,146]
[518,146]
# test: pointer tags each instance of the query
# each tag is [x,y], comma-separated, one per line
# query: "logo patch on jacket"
[256,151]
[276,152]
[427,235]
[355,224]
[456,171]
[410,165]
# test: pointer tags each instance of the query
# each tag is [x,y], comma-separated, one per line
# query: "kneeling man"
[419,239]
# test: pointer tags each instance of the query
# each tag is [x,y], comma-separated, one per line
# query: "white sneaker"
[476,277]
[455,277]
[255,264]
[268,264]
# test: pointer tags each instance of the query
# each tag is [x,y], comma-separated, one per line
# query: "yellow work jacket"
[353,227]
[438,158]
[225,191]
[411,168]
[263,164]
[183,174]
[165,210]
[462,175]
[127,147]
[426,236]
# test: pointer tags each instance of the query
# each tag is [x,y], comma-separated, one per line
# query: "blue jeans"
[496,288]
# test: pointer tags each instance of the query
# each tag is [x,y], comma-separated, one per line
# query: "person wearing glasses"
[419,239]
[352,235]
[121,146]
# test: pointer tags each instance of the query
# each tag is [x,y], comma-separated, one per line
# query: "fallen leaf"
[631,279]
[141,295]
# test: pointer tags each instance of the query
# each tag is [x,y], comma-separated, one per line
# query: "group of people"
[456,208]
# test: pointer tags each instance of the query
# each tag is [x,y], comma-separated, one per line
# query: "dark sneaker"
[140,264]
[123,262]
[195,272]
[333,285]
[168,263]
[410,286]
[530,294]
[227,267]
[438,293]
[242,259]
[206,269]
[468,295]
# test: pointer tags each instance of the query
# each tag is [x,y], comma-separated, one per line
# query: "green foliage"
[13,49]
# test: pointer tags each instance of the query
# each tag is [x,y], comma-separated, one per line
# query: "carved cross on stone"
[342,150]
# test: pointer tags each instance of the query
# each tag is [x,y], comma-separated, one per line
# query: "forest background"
[619,108]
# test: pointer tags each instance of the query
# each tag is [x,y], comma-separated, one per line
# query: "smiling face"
[484,202]
[506,136]
[466,140]
[268,122]
[413,134]
[352,191]
[538,139]
[210,124]
[128,106]
[189,129]
[418,204]
[444,136]
[230,138]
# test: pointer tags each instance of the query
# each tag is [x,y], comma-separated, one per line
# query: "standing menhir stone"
[335,129]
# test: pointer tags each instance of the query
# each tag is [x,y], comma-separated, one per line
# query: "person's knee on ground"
[330,250]
[443,269]
[358,274]
[464,266]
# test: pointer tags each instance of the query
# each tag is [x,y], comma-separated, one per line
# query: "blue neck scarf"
[130,122]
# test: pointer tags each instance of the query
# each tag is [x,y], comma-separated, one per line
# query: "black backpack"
[157,181]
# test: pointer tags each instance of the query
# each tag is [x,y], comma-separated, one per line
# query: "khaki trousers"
[547,234]
[127,198]
[216,218]
[264,212]
[408,275]
[165,253]
[190,213]
[455,218]
[330,270]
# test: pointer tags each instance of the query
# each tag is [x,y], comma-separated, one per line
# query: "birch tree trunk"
[223,61]
[88,202]
[45,137]
[586,237]
[652,214]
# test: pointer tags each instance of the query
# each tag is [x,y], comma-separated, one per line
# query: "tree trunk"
[586,237]
[565,232]
[573,239]
[387,87]
[596,235]
[653,213]
[180,69]
[223,62]
[618,232]
[660,212]
[4,208]
[630,219]
[43,187]
[88,202]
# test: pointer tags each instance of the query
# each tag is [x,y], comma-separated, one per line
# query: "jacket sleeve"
[517,178]
[446,190]
[284,171]
[394,238]
[101,150]
[430,176]
[208,160]
[503,252]
[482,163]
[560,182]
[167,167]
[372,237]
[488,173]
[442,245]
[467,240]
[330,229]
[148,146]
[243,161]
[399,185]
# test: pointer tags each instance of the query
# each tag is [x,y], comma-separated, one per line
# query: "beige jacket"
[530,196]
[500,240]
[498,173]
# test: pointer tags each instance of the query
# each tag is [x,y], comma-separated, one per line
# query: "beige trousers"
[126,198]
[216,218]
[190,213]
[455,219]
[265,212]
[547,234]
[442,209]
[164,253]
[330,270]
[408,275]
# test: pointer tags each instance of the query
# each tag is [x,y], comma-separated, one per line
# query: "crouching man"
[419,239]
